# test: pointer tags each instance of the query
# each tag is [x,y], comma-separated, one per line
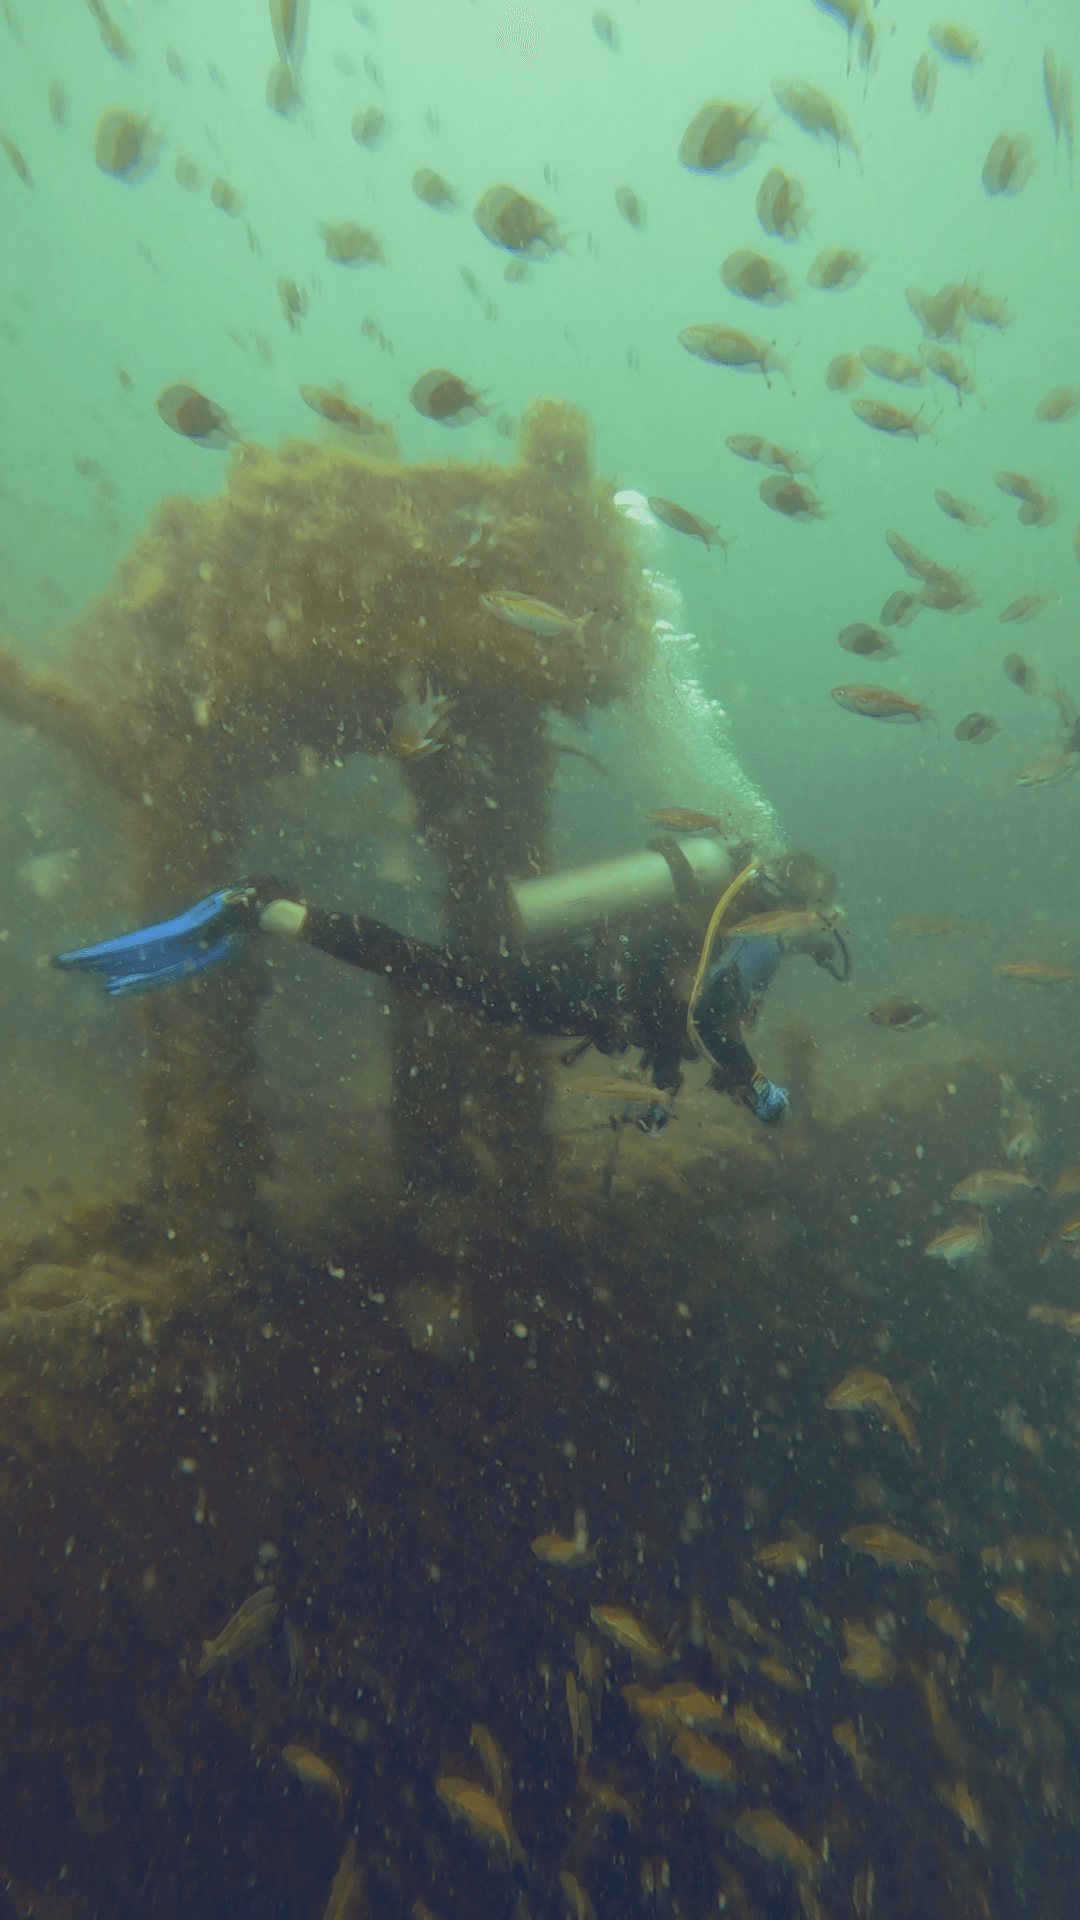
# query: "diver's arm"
[736,1073]
[732,990]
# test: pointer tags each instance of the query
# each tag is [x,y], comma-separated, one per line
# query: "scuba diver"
[605,957]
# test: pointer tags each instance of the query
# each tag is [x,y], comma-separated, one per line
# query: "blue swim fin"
[172,950]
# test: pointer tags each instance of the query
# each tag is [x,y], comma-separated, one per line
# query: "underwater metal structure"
[287,613]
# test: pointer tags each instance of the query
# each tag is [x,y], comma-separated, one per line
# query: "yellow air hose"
[709,943]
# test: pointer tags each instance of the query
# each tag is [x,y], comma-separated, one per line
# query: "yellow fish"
[727,347]
[781,204]
[750,274]
[1050,771]
[349,245]
[880,703]
[686,820]
[993,1187]
[416,727]
[844,372]
[898,367]
[902,1015]
[942,313]
[814,112]
[442,396]
[1024,1550]
[886,418]
[481,1812]
[956,43]
[861,1390]
[339,411]
[190,413]
[17,160]
[959,1797]
[790,920]
[433,190]
[949,1619]
[521,225]
[288,24]
[620,1625]
[125,145]
[948,368]
[756,1734]
[1029,1613]
[1009,164]
[1037,973]
[836,269]
[924,82]
[694,1708]
[704,1759]
[780,1675]
[890,1548]
[967,1240]
[659,1704]
[1059,404]
[967,515]
[556,1551]
[314,1772]
[865,1659]
[537,617]
[792,499]
[722,137]
[616,1089]
[681,520]
[745,1621]
[1066,1317]
[788,1556]
[767,1834]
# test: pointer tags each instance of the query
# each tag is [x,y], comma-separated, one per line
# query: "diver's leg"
[511,993]
[206,934]
[556,1000]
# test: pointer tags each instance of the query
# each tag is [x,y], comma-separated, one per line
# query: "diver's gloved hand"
[206,934]
[766,1101]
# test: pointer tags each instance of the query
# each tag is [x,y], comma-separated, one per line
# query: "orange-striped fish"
[616,1089]
[686,819]
[880,703]
[1037,973]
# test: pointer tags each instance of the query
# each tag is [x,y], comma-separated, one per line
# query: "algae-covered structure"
[291,613]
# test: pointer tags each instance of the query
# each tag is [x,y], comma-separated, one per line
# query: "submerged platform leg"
[469,1097]
[200,1093]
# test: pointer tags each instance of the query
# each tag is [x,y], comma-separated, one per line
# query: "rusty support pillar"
[207,1134]
[469,1097]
